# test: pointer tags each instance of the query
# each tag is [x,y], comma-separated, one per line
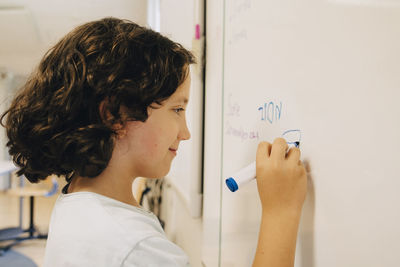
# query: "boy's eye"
[178,110]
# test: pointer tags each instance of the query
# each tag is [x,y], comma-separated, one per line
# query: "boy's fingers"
[279,148]
[263,150]
[293,155]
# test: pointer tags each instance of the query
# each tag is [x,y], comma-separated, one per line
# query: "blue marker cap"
[232,185]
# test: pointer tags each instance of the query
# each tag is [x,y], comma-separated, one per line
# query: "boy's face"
[148,148]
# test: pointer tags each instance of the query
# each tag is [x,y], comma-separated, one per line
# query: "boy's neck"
[105,186]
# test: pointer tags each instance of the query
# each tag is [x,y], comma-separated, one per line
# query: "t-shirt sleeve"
[156,251]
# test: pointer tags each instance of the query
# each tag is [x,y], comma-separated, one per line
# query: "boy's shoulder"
[97,231]
[97,213]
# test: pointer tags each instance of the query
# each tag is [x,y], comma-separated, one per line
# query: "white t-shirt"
[88,229]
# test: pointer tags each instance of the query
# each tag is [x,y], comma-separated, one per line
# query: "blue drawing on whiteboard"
[292,137]
[271,112]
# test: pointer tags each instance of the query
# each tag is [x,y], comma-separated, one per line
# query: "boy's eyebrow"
[181,99]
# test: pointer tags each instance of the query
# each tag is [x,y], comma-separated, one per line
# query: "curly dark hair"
[56,124]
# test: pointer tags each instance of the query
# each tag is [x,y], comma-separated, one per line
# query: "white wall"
[182,197]
[6,82]
[29,28]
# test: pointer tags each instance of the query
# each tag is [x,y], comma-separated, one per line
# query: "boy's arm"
[277,239]
[282,187]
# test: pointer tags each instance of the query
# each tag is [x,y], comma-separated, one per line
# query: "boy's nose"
[185,133]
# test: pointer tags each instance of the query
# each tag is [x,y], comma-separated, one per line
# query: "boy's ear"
[104,112]
[120,133]
[107,118]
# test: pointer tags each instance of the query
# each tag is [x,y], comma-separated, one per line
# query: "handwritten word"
[271,112]
[233,109]
[238,36]
[240,133]
[240,7]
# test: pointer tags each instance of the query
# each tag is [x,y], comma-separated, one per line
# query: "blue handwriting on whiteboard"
[271,111]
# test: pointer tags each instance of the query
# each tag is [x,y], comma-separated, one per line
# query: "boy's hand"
[281,177]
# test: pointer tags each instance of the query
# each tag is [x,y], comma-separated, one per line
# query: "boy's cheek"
[150,144]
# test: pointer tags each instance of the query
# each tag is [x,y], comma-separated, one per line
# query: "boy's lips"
[173,150]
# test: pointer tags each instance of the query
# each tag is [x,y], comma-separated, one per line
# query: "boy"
[106,105]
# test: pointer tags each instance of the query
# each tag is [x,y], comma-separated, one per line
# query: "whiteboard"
[326,73]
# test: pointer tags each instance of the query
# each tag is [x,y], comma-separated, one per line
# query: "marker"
[247,174]
[197,35]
